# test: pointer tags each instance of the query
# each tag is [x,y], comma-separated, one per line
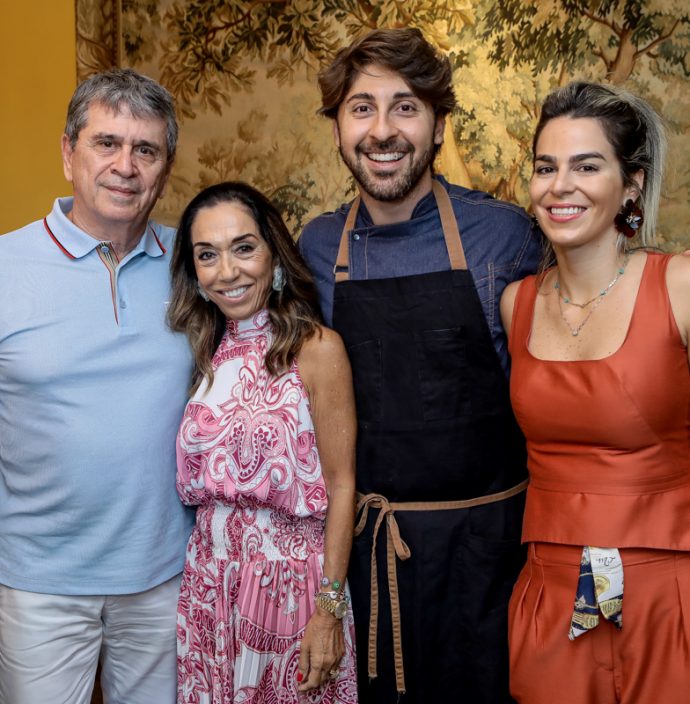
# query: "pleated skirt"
[247,594]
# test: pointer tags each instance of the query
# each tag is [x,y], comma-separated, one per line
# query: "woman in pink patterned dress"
[266,452]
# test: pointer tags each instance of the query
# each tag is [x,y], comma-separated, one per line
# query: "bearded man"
[410,274]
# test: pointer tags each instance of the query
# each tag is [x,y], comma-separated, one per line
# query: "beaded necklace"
[612,283]
[597,300]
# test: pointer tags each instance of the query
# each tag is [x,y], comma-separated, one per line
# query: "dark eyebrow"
[360,96]
[239,238]
[586,157]
[404,94]
[400,95]
[548,159]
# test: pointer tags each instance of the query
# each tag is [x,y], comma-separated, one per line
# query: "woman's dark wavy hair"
[293,312]
[403,51]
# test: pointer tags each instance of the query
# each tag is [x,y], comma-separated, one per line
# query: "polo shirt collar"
[75,243]
[150,243]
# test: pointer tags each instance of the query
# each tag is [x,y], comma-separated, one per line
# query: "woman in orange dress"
[601,388]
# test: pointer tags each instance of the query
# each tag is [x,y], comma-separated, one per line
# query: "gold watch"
[333,602]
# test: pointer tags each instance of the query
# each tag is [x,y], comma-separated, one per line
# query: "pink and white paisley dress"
[247,458]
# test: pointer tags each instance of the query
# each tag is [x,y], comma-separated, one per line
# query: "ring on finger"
[333,674]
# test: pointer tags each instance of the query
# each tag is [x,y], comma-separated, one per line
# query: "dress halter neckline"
[257,323]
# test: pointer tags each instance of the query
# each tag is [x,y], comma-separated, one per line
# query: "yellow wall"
[38,77]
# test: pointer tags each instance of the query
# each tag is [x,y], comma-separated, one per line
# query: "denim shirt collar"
[425,205]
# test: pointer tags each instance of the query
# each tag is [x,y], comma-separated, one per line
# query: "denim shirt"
[501,242]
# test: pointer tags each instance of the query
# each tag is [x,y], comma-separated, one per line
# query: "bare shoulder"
[678,285]
[325,344]
[510,292]
[679,266]
[322,356]
[678,276]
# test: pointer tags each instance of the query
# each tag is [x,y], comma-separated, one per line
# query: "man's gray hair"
[120,88]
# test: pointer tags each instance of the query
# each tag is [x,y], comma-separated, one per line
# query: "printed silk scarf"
[599,588]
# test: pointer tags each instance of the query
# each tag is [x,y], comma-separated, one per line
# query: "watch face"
[337,608]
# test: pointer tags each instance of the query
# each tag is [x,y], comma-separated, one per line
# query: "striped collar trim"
[151,243]
[59,244]
[74,243]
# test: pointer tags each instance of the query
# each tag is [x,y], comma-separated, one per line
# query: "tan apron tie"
[396,546]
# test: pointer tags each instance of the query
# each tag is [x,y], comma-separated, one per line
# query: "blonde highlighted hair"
[634,130]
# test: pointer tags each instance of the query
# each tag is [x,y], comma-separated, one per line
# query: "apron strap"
[397,547]
[451,234]
[342,266]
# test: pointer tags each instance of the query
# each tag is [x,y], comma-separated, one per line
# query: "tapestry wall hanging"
[243,74]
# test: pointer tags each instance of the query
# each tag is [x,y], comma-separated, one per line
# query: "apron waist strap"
[396,547]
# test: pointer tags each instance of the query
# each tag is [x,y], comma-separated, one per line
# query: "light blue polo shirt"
[92,389]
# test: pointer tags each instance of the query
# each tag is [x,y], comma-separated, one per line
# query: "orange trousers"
[645,662]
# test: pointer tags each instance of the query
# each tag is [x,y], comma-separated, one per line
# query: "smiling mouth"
[570,210]
[385,156]
[235,292]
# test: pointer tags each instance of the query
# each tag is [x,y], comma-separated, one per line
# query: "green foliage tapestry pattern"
[243,73]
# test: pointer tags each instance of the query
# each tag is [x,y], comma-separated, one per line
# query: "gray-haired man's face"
[118,169]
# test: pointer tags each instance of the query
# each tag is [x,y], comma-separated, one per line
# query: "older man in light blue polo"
[92,388]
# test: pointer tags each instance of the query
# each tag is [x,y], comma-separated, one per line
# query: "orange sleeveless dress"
[609,461]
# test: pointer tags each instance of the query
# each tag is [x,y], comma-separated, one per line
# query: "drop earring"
[629,219]
[201,292]
[278,278]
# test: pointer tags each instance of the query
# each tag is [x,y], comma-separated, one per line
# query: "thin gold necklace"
[597,300]
[612,283]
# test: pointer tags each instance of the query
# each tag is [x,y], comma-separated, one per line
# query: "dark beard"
[393,187]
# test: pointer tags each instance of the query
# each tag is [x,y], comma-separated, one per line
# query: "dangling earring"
[201,292]
[278,278]
[629,219]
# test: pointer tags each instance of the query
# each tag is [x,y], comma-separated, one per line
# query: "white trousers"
[50,646]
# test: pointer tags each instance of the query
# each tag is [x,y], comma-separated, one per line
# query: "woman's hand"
[321,650]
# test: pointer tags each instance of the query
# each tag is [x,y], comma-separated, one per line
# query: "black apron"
[435,431]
